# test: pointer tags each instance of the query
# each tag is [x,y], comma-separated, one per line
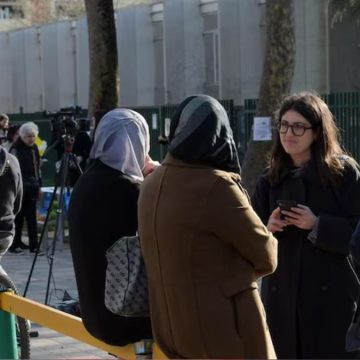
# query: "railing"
[344,106]
[61,322]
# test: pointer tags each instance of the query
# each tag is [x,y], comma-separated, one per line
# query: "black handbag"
[352,341]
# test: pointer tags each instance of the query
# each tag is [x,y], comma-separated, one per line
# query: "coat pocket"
[233,286]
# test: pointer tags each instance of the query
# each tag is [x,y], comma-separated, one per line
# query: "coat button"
[324,287]
[273,288]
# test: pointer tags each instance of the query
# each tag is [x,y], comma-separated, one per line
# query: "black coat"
[355,245]
[103,208]
[29,160]
[311,297]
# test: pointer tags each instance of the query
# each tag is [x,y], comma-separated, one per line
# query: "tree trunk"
[276,80]
[103,93]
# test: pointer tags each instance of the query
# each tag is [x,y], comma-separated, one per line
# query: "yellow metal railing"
[63,323]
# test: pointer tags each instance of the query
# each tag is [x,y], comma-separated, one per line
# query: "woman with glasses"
[311,297]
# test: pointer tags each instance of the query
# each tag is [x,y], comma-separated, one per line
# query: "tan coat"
[204,247]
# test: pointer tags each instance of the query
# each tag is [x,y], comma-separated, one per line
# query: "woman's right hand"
[150,165]
[275,224]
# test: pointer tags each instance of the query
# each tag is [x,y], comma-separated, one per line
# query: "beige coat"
[204,248]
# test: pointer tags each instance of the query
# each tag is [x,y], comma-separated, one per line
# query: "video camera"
[63,122]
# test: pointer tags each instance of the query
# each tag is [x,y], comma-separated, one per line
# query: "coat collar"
[172,161]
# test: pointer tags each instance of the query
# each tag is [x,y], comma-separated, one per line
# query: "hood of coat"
[3,160]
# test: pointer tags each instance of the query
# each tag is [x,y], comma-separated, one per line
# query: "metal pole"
[8,341]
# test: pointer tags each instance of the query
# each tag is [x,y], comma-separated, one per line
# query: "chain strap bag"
[126,288]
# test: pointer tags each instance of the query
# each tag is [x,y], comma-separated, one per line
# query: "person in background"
[10,198]
[311,298]
[4,124]
[204,247]
[103,208]
[27,154]
[11,136]
[81,149]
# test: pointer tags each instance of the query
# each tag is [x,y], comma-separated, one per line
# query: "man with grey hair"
[4,124]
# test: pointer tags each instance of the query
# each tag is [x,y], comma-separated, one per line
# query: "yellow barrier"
[64,323]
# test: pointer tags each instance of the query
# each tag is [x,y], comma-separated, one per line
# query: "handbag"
[126,288]
[352,342]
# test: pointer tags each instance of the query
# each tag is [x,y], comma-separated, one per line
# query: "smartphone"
[286,205]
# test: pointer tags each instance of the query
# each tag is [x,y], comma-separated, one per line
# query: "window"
[11,10]
[159,62]
[211,46]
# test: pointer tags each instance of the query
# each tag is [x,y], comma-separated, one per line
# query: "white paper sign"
[154,121]
[262,129]
[167,126]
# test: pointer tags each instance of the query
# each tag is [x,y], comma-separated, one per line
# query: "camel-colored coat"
[204,247]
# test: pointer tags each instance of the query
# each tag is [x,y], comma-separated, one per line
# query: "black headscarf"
[200,132]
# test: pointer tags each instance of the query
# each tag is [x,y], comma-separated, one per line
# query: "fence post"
[8,342]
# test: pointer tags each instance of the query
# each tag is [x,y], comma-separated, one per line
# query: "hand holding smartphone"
[286,205]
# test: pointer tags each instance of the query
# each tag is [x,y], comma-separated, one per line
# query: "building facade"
[174,48]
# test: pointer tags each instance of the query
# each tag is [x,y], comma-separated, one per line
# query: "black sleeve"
[355,244]
[261,199]
[15,168]
[335,232]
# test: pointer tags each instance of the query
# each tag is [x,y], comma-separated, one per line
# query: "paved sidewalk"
[50,344]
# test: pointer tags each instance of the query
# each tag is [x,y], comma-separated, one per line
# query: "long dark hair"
[326,149]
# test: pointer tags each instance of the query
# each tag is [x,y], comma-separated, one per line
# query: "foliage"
[37,12]
[343,8]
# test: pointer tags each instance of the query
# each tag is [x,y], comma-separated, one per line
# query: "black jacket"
[311,297]
[10,192]
[29,160]
[103,208]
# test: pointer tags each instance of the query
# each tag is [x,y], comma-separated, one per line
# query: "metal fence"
[344,106]
[158,118]
[346,110]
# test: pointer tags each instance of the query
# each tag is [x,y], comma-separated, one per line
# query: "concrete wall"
[184,51]
[241,48]
[344,54]
[136,57]
[311,64]
[47,67]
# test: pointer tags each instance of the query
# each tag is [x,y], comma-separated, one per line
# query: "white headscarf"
[122,142]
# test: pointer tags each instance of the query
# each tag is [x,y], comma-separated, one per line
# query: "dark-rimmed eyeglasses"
[298,129]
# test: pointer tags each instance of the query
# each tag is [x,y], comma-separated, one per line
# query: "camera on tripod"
[64,127]
[63,122]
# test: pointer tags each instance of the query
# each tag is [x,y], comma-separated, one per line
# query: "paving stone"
[50,344]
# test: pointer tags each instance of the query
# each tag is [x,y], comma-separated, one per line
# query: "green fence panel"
[346,110]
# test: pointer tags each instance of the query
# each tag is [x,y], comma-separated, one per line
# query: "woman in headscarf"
[203,245]
[103,208]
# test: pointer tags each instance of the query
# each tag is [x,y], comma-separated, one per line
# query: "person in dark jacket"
[311,297]
[81,149]
[103,208]
[28,156]
[10,197]
[4,125]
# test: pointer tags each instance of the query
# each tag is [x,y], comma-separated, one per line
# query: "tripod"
[66,158]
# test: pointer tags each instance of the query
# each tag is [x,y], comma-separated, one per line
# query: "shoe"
[15,251]
[23,246]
